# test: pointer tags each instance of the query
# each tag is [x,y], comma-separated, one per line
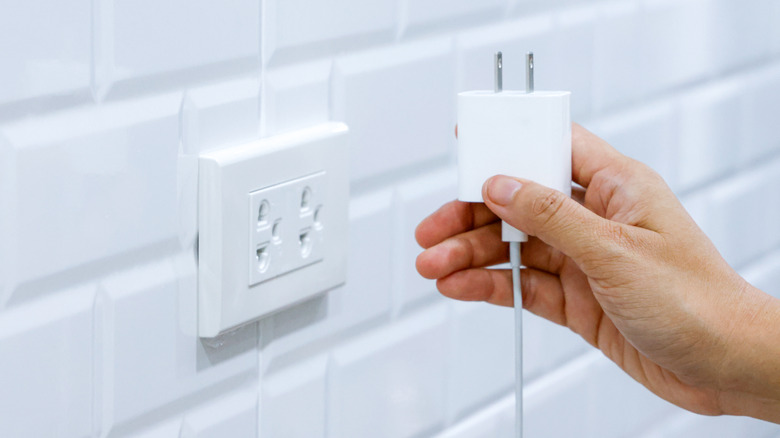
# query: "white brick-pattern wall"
[105,105]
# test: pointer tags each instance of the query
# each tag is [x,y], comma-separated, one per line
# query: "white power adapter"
[524,134]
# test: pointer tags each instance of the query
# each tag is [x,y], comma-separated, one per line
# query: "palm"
[563,293]
[464,239]
[581,312]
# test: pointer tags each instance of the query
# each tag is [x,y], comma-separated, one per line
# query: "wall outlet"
[286,227]
[273,218]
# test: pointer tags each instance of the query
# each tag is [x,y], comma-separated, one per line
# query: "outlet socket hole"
[262,212]
[318,216]
[306,243]
[306,198]
[276,230]
[263,258]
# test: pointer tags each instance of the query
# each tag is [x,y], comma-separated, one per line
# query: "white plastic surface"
[233,183]
[525,135]
[285,222]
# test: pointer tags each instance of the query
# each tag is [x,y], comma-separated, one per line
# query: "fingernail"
[501,189]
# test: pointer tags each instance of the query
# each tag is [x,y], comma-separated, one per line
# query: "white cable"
[520,133]
[515,262]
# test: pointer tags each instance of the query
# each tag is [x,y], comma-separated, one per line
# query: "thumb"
[554,218]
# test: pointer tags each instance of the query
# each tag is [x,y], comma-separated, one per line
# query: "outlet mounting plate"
[273,218]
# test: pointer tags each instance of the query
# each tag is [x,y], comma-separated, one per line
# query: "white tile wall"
[232,415]
[562,46]
[765,274]
[409,89]
[46,372]
[710,128]
[390,383]
[688,424]
[218,114]
[106,104]
[743,237]
[647,134]
[175,37]
[563,392]
[299,29]
[367,296]
[293,400]
[675,39]
[43,57]
[168,428]
[481,355]
[514,39]
[763,103]
[773,13]
[430,14]
[153,356]
[414,199]
[617,39]
[546,346]
[296,96]
[90,184]
[743,29]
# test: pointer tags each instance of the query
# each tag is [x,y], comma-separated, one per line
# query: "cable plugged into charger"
[524,134]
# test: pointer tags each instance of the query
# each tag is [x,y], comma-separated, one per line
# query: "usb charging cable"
[517,133]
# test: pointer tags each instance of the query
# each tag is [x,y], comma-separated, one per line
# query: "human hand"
[627,269]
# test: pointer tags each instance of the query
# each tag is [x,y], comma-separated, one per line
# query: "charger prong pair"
[498,72]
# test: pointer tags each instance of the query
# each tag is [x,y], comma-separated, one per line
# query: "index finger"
[590,155]
[452,218]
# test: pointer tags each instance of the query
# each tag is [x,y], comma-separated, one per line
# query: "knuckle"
[625,245]
[462,251]
[547,207]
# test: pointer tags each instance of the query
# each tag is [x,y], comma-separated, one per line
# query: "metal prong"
[499,73]
[529,72]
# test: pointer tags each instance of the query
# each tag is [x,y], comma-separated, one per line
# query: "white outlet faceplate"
[286,227]
[273,218]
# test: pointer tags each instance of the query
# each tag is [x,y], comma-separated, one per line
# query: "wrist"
[749,375]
